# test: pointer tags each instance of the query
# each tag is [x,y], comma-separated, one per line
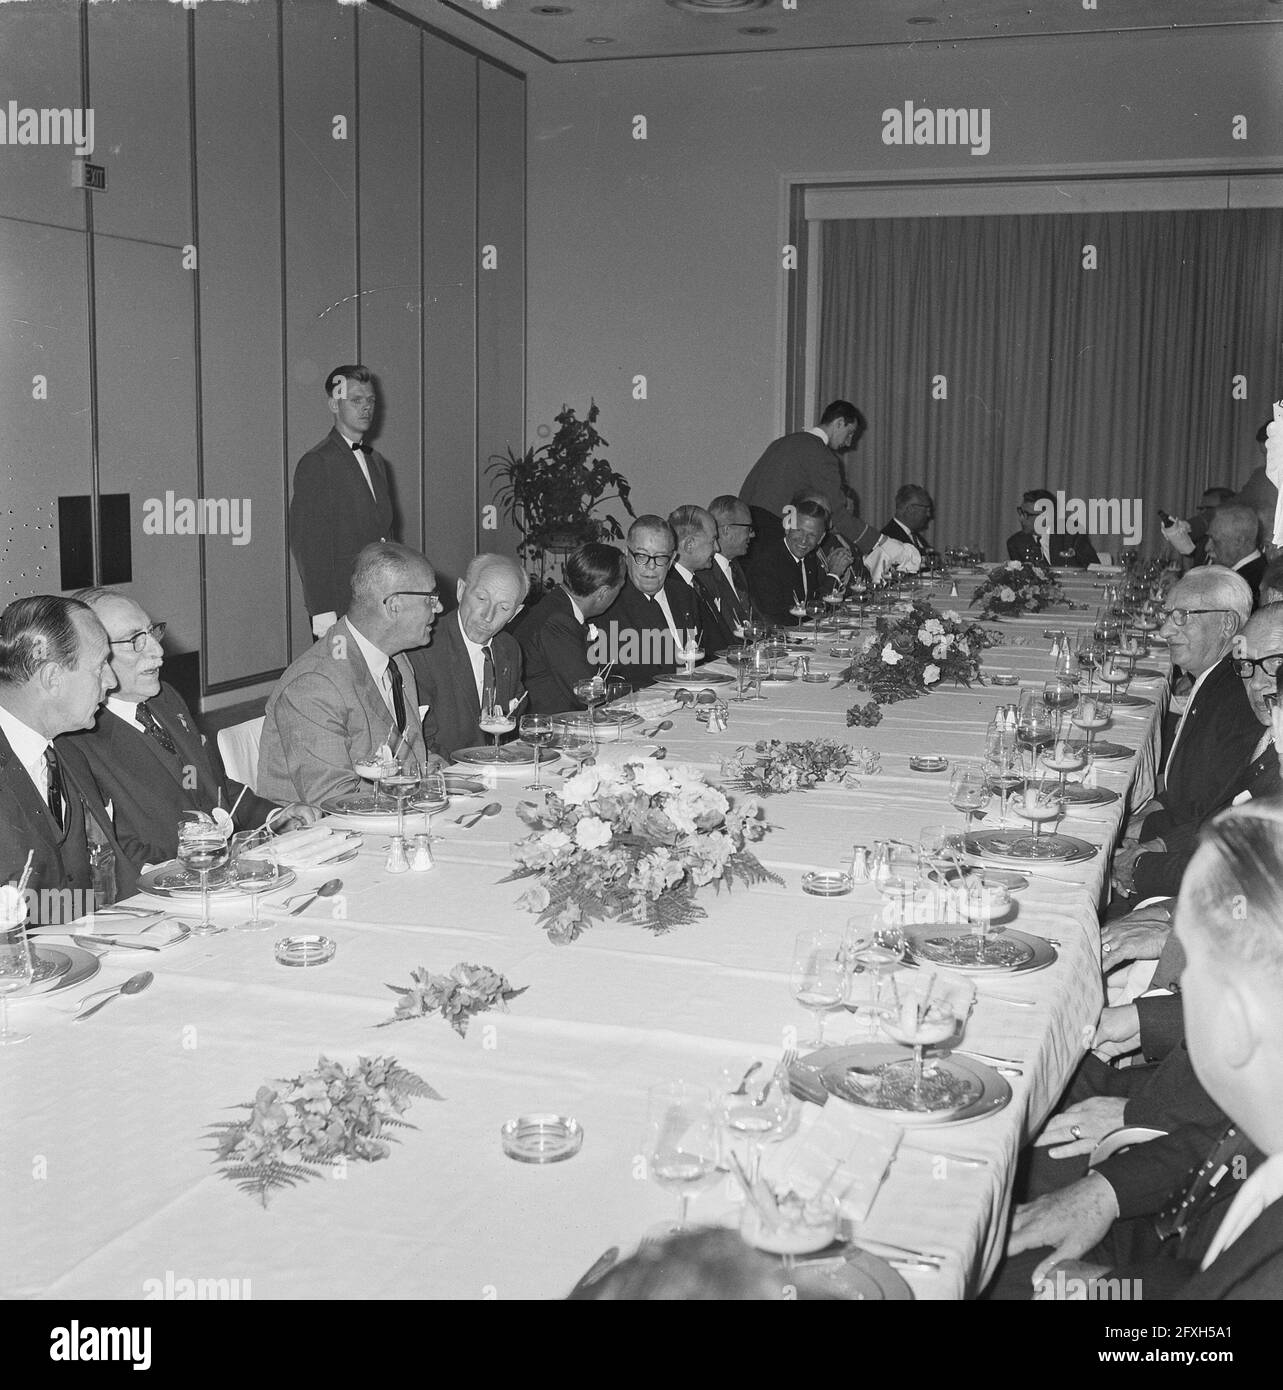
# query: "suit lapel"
[27,801]
[131,743]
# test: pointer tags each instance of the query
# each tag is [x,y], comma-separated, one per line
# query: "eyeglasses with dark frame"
[138,640]
[433,594]
[645,558]
[1178,617]
[1245,666]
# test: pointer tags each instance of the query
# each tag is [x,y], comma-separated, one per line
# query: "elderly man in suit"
[354,691]
[642,636]
[1037,544]
[724,581]
[1232,536]
[55,670]
[342,498]
[787,571]
[471,658]
[150,758]
[558,639]
[915,509]
[696,533]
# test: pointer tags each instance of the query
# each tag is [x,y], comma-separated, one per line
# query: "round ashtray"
[826,883]
[816,678]
[929,762]
[305,950]
[542,1138]
[1004,680]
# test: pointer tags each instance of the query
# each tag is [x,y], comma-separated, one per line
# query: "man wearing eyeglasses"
[724,581]
[150,758]
[1213,740]
[354,692]
[642,637]
[914,512]
[1036,544]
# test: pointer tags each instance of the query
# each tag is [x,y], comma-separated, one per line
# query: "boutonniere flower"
[183,721]
[593,634]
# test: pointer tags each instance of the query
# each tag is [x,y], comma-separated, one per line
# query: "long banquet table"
[106,1174]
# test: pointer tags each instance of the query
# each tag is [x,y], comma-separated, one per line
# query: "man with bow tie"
[560,643]
[55,671]
[342,498]
[149,757]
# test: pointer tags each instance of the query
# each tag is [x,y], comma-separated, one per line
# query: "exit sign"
[90,176]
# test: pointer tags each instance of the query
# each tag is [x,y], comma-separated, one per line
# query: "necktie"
[488,680]
[153,729]
[57,798]
[398,694]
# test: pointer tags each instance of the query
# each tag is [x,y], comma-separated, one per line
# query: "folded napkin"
[842,1150]
[303,849]
[646,706]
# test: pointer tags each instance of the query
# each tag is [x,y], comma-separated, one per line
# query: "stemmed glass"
[432,797]
[1090,716]
[740,658]
[690,650]
[15,960]
[255,870]
[1002,764]
[403,780]
[1085,652]
[202,846]
[759,668]
[819,976]
[1038,806]
[683,1146]
[926,1008]
[376,767]
[1033,730]
[798,610]
[1058,695]
[815,609]
[495,720]
[537,731]
[968,790]
[755,1112]
[870,955]
[1117,675]
[1063,759]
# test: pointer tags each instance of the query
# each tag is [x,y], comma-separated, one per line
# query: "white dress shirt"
[378,662]
[477,655]
[661,598]
[358,453]
[1261,1190]
[126,710]
[29,749]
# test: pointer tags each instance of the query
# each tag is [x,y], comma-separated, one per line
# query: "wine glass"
[924,1008]
[1033,730]
[202,846]
[375,767]
[1038,806]
[1002,764]
[815,610]
[740,658]
[968,790]
[1091,716]
[690,650]
[15,959]
[403,780]
[682,1146]
[255,870]
[871,953]
[1058,695]
[818,976]
[754,1110]
[537,731]
[1085,652]
[432,797]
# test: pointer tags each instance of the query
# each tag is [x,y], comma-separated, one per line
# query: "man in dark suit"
[149,757]
[55,670]
[724,581]
[342,498]
[642,637]
[559,642]
[471,658]
[1232,542]
[352,694]
[1214,740]
[787,571]
[1036,544]
[696,534]
[914,511]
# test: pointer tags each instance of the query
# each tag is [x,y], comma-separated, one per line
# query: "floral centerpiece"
[633,842]
[465,991]
[323,1117]
[1015,588]
[785,767]
[912,651]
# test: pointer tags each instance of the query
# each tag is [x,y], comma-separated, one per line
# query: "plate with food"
[957,947]
[879,1077]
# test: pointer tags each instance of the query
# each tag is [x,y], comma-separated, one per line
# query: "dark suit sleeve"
[1162,1024]
[312,534]
[1146,1177]
[1086,552]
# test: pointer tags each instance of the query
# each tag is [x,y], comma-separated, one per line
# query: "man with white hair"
[696,533]
[1231,541]
[471,658]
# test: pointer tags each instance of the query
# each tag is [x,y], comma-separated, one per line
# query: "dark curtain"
[1114,382]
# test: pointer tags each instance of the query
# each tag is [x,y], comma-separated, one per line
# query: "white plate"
[84,965]
[170,880]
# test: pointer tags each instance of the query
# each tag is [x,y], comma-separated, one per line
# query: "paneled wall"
[291,184]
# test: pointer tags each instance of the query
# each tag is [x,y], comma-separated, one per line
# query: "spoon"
[134,985]
[660,727]
[326,890]
[484,813]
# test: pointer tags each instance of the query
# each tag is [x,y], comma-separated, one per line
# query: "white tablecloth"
[106,1180]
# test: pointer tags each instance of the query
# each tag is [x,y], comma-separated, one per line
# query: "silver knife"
[115,943]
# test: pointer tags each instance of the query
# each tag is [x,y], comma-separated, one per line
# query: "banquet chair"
[238,747]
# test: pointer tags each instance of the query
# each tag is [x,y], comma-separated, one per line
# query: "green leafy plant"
[465,991]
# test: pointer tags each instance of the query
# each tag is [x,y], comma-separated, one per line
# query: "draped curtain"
[1146,377]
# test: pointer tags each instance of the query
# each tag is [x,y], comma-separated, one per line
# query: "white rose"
[930,675]
[555,840]
[649,776]
[581,787]
[592,832]
[952,615]
[1015,564]
[1007,595]
[940,650]
[891,656]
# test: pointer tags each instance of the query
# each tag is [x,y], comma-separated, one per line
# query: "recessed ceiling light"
[718,6]
[757,29]
[599,39]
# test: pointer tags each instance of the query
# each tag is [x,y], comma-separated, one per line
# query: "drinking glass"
[1038,806]
[537,731]
[403,780]
[815,610]
[740,658]
[1085,652]
[1002,764]
[682,1145]
[202,846]
[1116,674]
[1033,730]
[255,870]
[1058,696]
[1091,716]
[755,1111]
[495,720]
[690,650]
[968,790]
[15,974]
[924,1008]
[432,797]
[871,953]
[818,977]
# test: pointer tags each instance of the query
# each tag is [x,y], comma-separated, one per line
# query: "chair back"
[238,748]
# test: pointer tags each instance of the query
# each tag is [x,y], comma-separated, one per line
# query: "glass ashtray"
[542,1138]
[826,883]
[1003,678]
[928,762]
[305,950]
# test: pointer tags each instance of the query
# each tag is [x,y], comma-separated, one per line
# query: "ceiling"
[577,31]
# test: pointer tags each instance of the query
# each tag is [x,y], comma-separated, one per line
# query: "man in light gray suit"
[352,691]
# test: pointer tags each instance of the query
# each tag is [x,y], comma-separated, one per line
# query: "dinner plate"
[986,1091]
[171,880]
[508,755]
[933,945]
[1102,749]
[1130,701]
[80,965]
[696,681]
[998,845]
[1013,883]
[1078,795]
[854,1275]
[1149,673]
[361,806]
[457,784]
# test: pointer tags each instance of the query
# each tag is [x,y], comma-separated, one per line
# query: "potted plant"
[550,493]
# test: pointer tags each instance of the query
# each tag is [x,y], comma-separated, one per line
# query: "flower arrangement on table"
[786,767]
[633,842]
[1015,588]
[910,654]
[465,991]
[322,1117]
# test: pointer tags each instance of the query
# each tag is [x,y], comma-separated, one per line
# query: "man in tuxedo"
[342,498]
[1036,544]
[696,534]
[787,571]
[471,658]
[914,512]
[1231,541]
[642,637]
[558,639]
[354,691]
[724,581]
[149,757]
[55,670]
[1214,739]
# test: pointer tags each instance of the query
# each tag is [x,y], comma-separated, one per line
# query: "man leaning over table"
[55,671]
[353,692]
[150,758]
[471,653]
